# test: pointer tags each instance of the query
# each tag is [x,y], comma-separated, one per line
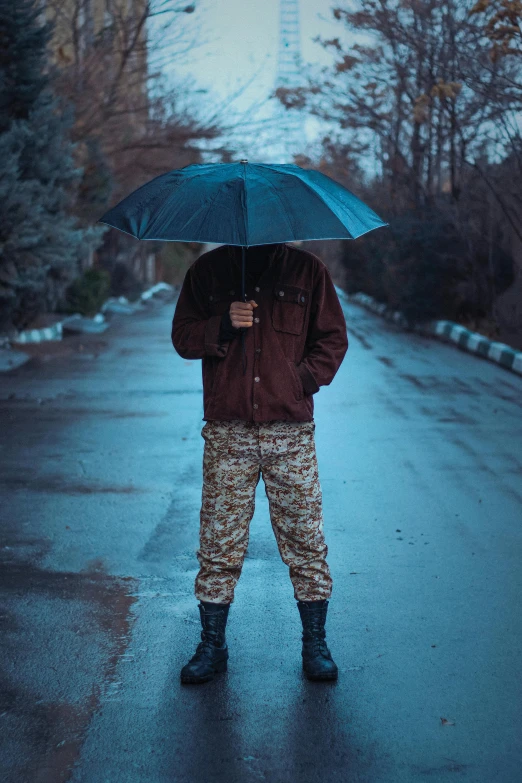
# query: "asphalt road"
[420,458]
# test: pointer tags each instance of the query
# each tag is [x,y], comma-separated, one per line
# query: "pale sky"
[238,41]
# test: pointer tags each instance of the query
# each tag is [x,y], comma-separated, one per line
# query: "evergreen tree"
[23,42]
[41,243]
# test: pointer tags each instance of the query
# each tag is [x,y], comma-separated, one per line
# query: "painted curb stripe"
[478,343]
[501,353]
[38,335]
[472,342]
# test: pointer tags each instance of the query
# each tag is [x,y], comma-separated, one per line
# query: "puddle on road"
[452,416]
[18,399]
[49,413]
[496,390]
[353,332]
[386,360]
[62,485]
[414,380]
[50,733]
[440,385]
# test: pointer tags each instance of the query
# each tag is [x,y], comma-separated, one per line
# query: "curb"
[119,305]
[77,323]
[159,288]
[54,332]
[11,358]
[447,331]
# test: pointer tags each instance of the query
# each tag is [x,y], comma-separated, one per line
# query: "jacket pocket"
[289,308]
[298,386]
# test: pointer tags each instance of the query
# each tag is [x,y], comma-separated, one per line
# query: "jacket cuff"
[227,331]
[310,385]
[213,347]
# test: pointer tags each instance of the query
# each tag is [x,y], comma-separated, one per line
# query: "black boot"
[212,652]
[317,659]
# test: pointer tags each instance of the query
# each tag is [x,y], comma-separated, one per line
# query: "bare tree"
[416,94]
[111,70]
[503,26]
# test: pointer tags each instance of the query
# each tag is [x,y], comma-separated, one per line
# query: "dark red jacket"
[295,345]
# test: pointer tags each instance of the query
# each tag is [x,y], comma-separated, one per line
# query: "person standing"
[259,421]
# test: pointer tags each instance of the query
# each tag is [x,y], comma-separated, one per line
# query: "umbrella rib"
[223,184]
[179,185]
[282,204]
[191,218]
[339,202]
[316,194]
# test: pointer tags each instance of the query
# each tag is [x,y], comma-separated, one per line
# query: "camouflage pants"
[236,453]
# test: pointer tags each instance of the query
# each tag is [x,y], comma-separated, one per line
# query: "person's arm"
[195,334]
[327,340]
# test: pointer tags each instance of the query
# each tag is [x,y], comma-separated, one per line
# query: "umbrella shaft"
[243,297]
[243,254]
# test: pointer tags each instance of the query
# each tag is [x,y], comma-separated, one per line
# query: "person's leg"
[290,472]
[291,476]
[230,477]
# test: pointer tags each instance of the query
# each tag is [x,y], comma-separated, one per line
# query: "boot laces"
[315,636]
[212,635]
[317,645]
[205,646]
[314,627]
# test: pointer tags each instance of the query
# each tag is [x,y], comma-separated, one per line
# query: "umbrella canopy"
[242,204]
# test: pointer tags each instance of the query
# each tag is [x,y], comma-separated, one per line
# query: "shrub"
[87,293]
[124,282]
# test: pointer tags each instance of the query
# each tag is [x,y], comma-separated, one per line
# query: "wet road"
[420,458]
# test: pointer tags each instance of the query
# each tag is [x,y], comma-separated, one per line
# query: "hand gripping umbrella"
[242,204]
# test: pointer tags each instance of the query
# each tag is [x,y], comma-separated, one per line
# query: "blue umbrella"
[242,204]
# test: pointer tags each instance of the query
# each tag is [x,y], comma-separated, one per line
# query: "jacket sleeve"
[226,330]
[327,340]
[194,333]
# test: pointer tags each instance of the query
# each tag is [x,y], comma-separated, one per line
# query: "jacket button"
[256,320]
[256,405]
[258,350]
[281,293]
[302,299]
[231,293]
[256,379]
[257,288]
[211,298]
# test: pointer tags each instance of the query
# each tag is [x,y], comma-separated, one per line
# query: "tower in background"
[289,135]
